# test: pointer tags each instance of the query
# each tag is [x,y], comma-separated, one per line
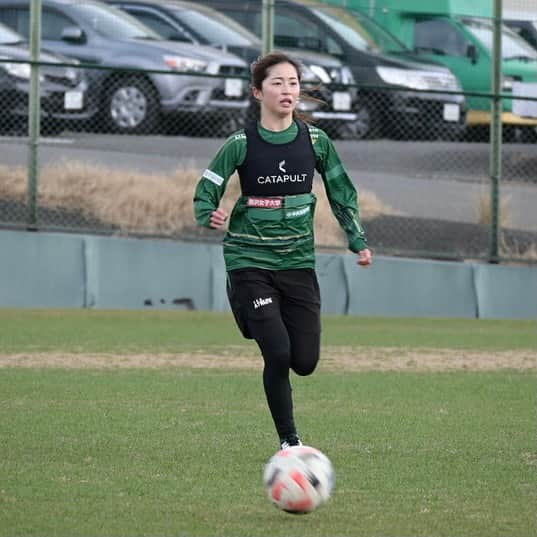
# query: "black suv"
[63,87]
[387,73]
[326,76]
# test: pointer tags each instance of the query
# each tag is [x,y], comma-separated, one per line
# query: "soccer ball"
[299,479]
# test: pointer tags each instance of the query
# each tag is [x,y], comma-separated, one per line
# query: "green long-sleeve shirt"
[265,252]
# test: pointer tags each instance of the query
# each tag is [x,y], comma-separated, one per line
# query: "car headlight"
[72,74]
[308,75]
[18,70]
[507,83]
[320,73]
[183,64]
[419,80]
[341,75]
[346,76]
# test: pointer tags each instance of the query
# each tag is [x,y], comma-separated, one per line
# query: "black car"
[63,87]
[327,78]
[387,73]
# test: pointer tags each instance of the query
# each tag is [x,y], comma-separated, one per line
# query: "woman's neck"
[275,123]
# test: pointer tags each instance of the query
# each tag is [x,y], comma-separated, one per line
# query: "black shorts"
[258,295]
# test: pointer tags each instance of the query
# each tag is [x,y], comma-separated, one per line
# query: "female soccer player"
[269,245]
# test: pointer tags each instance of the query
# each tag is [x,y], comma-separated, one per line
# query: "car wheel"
[530,135]
[228,126]
[366,124]
[131,106]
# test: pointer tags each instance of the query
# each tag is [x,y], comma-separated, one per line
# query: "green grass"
[165,331]
[180,451]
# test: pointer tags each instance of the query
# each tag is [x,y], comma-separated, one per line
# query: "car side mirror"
[73,34]
[472,53]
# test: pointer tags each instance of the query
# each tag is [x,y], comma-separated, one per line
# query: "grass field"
[155,424]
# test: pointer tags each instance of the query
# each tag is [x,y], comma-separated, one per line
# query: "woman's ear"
[257,93]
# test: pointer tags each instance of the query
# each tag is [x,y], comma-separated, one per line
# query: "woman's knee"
[304,370]
[276,355]
[305,353]
[304,364]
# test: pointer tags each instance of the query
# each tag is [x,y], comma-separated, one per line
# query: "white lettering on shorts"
[258,302]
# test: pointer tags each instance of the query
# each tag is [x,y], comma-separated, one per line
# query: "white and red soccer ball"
[299,479]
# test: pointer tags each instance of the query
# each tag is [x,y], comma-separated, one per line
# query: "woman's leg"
[256,305]
[301,314]
[305,351]
[273,341]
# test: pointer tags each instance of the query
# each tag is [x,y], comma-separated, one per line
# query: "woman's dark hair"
[259,68]
[259,71]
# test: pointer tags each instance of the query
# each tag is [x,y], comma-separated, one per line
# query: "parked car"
[326,77]
[63,86]
[131,100]
[386,74]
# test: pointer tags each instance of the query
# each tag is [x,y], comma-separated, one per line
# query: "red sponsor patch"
[265,203]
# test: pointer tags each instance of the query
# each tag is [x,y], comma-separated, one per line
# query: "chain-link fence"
[121,148]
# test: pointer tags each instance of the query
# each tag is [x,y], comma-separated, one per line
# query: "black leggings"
[285,323]
[284,349]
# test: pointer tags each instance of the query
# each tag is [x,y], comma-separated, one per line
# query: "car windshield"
[216,29]
[360,31]
[356,39]
[110,22]
[513,46]
[386,41]
[8,36]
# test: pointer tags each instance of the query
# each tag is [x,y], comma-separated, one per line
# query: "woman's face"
[280,90]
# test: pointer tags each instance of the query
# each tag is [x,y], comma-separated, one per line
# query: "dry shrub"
[131,201]
[327,230]
[136,202]
[13,183]
[515,252]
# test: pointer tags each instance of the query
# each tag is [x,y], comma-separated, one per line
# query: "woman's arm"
[342,194]
[212,184]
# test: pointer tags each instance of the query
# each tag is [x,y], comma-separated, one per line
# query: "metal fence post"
[268,25]
[496,134]
[34,113]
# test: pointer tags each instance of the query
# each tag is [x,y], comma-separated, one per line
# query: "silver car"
[62,92]
[192,83]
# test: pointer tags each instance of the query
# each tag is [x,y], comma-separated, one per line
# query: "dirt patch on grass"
[333,359]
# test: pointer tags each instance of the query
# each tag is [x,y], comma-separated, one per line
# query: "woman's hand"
[218,218]
[365,258]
